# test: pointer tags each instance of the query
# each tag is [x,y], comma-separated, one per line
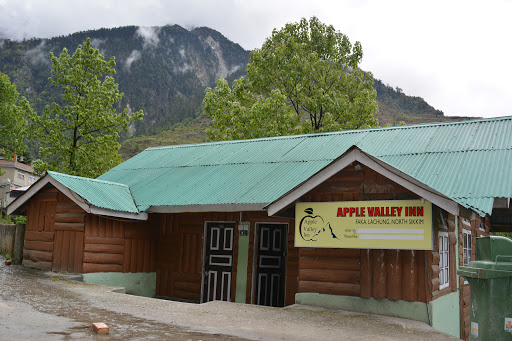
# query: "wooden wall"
[54,233]
[116,245]
[61,236]
[390,274]
[180,254]
[179,257]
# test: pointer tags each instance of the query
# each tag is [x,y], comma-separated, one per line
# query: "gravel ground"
[38,305]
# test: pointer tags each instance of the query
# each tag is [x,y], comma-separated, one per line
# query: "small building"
[374,220]
[13,176]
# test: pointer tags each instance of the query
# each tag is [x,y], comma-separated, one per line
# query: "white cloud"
[96,43]
[38,55]
[149,35]
[134,56]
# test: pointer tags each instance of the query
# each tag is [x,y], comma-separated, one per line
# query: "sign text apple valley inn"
[384,211]
[394,224]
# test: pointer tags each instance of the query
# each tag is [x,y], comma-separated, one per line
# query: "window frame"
[444,259]
[467,250]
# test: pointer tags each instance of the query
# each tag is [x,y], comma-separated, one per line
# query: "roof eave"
[354,154]
[240,207]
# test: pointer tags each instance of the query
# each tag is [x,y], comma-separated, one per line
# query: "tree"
[12,119]
[81,136]
[307,69]
[238,114]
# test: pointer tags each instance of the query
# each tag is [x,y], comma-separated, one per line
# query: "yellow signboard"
[396,224]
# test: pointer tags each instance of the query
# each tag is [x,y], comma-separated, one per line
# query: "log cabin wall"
[61,236]
[54,233]
[120,245]
[390,274]
[180,254]
[478,227]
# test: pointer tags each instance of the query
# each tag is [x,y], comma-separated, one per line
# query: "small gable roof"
[94,196]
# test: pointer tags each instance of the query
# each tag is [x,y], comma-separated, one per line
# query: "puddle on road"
[22,287]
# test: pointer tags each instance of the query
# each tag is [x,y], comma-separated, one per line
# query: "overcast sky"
[457,55]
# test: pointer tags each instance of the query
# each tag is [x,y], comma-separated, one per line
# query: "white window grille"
[444,260]
[21,176]
[466,249]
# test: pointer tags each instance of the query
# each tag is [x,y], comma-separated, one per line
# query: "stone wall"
[7,234]
[11,241]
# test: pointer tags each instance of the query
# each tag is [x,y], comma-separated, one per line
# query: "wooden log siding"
[38,248]
[112,245]
[330,271]
[383,274]
[179,260]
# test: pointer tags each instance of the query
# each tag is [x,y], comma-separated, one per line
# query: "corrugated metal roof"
[469,161]
[104,194]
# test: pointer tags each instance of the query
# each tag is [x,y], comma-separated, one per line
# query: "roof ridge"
[352,131]
[448,151]
[88,179]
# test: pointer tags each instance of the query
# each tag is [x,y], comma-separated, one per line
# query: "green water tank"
[490,280]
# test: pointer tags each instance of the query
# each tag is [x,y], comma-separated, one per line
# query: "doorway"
[218,261]
[271,245]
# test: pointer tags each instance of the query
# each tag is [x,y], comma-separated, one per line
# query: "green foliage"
[503,234]
[186,132]
[81,136]
[20,219]
[12,119]
[5,219]
[305,77]
[238,114]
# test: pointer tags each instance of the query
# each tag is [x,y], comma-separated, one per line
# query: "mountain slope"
[164,71]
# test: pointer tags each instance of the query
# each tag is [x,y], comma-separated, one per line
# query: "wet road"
[39,306]
[35,305]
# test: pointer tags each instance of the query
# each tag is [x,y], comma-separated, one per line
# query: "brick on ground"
[100,328]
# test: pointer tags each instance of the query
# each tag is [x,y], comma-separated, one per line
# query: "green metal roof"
[469,162]
[104,194]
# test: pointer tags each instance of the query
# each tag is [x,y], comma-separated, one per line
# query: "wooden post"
[19,238]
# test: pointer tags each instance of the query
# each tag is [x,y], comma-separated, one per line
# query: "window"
[444,260]
[31,178]
[466,247]
[442,219]
[482,224]
[21,176]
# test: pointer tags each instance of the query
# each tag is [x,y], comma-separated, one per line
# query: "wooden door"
[270,267]
[218,261]
[68,251]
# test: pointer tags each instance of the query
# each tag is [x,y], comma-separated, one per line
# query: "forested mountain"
[164,71]
[161,70]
